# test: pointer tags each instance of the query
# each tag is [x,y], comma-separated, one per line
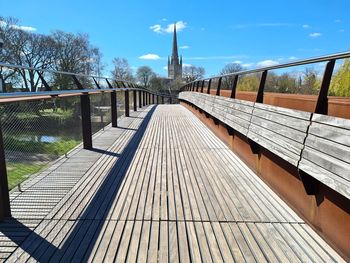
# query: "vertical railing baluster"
[234,87]
[203,82]
[260,95]
[219,87]
[5,209]
[135,100]
[114,110]
[86,120]
[127,106]
[322,100]
[209,84]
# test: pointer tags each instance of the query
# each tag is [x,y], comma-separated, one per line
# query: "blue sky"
[212,33]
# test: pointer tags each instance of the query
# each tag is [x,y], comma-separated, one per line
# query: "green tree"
[340,85]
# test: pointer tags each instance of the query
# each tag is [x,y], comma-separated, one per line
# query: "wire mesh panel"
[37,133]
[121,103]
[100,111]
[131,100]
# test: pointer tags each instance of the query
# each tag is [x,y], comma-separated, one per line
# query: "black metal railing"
[322,100]
[39,127]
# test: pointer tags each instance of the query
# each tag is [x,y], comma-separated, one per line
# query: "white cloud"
[337,21]
[306,26]
[237,62]
[165,67]
[164,19]
[24,28]
[292,58]
[267,63]
[186,65]
[315,34]
[179,27]
[156,28]
[278,24]
[215,57]
[184,47]
[150,57]
[342,30]
[247,65]
[170,28]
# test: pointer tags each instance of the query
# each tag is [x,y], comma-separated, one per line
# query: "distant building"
[175,63]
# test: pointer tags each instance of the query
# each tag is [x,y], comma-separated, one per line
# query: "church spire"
[175,55]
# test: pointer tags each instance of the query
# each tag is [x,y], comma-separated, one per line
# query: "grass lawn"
[18,172]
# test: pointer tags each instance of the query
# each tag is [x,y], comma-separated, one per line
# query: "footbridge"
[109,171]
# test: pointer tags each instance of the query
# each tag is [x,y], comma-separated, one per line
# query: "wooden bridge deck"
[160,188]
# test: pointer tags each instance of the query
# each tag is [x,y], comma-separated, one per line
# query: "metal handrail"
[72,92]
[322,99]
[325,58]
[7,65]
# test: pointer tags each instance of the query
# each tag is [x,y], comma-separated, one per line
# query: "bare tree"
[144,74]
[7,52]
[229,68]
[35,51]
[122,69]
[191,73]
[74,53]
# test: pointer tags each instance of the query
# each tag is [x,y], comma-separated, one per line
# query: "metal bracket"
[47,86]
[254,146]
[311,185]
[96,83]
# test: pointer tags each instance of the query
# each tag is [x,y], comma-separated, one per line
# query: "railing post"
[209,84]
[114,110]
[86,121]
[203,82]
[157,99]
[234,87]
[154,102]
[162,99]
[135,100]
[5,209]
[322,100]
[197,88]
[170,100]
[260,95]
[219,87]
[127,111]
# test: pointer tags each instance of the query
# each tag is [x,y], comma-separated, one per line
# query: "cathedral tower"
[174,63]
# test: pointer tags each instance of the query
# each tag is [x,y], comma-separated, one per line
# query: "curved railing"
[65,109]
[321,105]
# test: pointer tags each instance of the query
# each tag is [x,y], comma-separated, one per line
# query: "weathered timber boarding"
[170,191]
[327,152]
[233,112]
[316,144]
[279,130]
